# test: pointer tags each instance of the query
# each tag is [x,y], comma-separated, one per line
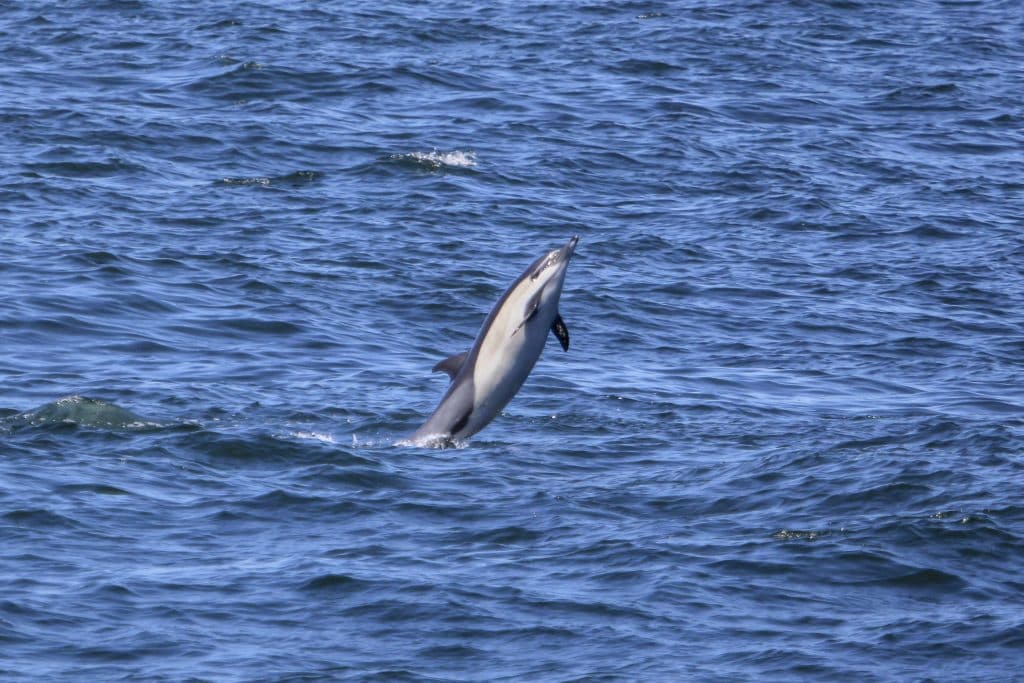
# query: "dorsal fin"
[561,331]
[451,364]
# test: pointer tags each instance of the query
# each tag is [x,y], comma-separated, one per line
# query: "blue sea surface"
[787,442]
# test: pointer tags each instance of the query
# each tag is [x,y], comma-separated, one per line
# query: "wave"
[435,160]
[84,412]
[292,179]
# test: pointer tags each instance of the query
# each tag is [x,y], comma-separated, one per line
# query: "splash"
[314,436]
[799,534]
[439,441]
[257,180]
[435,160]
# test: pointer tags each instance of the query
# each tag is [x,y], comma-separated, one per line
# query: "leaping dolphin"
[485,378]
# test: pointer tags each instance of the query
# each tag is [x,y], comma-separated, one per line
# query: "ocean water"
[787,442]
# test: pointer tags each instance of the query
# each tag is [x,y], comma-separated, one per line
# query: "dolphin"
[485,378]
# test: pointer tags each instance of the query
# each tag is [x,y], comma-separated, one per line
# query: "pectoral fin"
[451,364]
[561,331]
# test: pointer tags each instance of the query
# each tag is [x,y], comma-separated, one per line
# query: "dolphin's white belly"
[503,364]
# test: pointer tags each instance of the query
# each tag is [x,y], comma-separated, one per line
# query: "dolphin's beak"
[570,248]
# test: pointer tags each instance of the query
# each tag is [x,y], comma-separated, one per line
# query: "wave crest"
[436,160]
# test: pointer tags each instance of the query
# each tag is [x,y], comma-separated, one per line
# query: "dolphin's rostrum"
[485,378]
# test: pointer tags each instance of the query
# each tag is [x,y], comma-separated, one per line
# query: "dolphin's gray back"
[454,410]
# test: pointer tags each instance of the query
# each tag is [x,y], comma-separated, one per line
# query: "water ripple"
[785,444]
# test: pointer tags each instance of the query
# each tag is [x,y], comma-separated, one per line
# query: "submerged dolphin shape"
[485,378]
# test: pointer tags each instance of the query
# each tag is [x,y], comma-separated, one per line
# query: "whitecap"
[432,441]
[435,159]
[314,436]
[258,180]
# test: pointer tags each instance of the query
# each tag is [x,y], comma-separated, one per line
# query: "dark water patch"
[96,258]
[512,535]
[278,500]
[64,325]
[38,519]
[273,327]
[449,652]
[293,179]
[370,477]
[935,97]
[225,448]
[927,580]
[596,608]
[98,489]
[933,232]
[643,67]
[113,591]
[336,583]
[142,347]
[254,81]
[111,167]
[962,147]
